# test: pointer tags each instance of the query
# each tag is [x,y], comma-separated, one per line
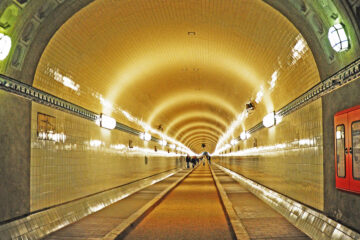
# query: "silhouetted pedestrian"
[188,160]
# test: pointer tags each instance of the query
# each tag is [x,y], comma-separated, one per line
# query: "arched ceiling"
[189,66]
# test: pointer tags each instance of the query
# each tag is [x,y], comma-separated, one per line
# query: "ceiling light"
[5,46]
[269,120]
[107,122]
[338,39]
[172,146]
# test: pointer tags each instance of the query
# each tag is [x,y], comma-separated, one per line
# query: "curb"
[237,227]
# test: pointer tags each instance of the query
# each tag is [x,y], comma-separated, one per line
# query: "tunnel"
[179,119]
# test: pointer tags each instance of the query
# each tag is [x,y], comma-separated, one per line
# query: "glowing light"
[268,150]
[64,80]
[67,82]
[5,46]
[231,129]
[172,146]
[244,135]
[299,49]
[234,142]
[278,119]
[162,142]
[338,39]
[105,102]
[128,116]
[259,95]
[274,78]
[145,136]
[95,143]
[107,122]
[57,137]
[152,130]
[118,146]
[269,120]
[339,134]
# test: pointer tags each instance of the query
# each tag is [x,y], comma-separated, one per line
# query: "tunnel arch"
[194,130]
[198,133]
[203,138]
[66,11]
[188,69]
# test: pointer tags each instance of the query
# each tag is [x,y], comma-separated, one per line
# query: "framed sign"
[45,123]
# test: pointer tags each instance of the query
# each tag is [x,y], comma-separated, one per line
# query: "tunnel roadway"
[191,210]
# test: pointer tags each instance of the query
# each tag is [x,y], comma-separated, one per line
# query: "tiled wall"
[288,157]
[64,171]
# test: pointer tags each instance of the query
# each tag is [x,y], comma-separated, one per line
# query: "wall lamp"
[5,46]
[269,120]
[337,37]
[234,142]
[145,136]
[162,142]
[244,135]
[106,122]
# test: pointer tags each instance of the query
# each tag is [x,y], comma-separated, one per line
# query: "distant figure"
[203,160]
[209,159]
[188,159]
[193,161]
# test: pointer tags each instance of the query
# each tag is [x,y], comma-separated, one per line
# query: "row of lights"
[269,120]
[110,123]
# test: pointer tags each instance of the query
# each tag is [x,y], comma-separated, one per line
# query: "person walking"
[193,161]
[209,159]
[188,159]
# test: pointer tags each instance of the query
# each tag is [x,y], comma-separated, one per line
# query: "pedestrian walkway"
[259,220]
[97,225]
[191,211]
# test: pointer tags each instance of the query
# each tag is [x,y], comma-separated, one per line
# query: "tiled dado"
[87,162]
[38,225]
[288,157]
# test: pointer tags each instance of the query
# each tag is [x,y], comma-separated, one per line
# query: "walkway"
[97,225]
[191,211]
[259,219]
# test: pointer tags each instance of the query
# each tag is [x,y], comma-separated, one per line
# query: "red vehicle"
[347,149]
